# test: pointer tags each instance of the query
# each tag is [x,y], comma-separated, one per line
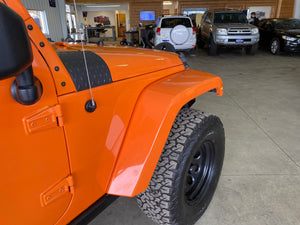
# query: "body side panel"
[94,139]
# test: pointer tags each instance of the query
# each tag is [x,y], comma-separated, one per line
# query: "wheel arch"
[151,122]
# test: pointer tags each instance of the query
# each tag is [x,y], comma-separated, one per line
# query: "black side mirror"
[16,53]
[16,57]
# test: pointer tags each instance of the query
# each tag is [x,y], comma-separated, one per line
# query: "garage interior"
[125,14]
[260,110]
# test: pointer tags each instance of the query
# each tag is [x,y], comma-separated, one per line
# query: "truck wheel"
[275,46]
[188,170]
[212,47]
[251,50]
[165,46]
[200,41]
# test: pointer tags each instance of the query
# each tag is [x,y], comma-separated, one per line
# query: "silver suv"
[227,28]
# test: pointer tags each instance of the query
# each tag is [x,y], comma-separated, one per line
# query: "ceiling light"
[167,3]
[101,6]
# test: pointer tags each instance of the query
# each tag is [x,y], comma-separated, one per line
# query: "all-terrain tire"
[188,170]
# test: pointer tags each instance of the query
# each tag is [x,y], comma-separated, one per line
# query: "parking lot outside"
[260,109]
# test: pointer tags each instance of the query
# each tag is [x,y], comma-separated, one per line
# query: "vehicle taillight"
[158,31]
[194,31]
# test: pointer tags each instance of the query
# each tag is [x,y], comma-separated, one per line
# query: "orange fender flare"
[150,125]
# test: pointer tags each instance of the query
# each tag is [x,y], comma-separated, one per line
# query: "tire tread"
[158,200]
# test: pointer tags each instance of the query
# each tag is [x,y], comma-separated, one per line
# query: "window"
[41,20]
[71,20]
[208,18]
[204,16]
[262,23]
[230,18]
[190,11]
[288,24]
[68,8]
[172,22]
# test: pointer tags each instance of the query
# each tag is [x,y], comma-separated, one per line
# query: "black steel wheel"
[188,171]
[200,173]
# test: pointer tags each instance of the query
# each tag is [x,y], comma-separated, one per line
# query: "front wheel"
[212,47]
[200,41]
[251,50]
[275,46]
[188,171]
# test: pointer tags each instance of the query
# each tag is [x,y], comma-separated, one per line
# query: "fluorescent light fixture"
[167,3]
[102,6]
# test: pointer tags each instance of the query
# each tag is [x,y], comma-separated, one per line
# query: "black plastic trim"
[99,73]
[90,213]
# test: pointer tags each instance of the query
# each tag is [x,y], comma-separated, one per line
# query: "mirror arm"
[26,90]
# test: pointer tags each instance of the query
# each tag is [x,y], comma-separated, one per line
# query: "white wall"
[266,9]
[62,13]
[57,30]
[297,9]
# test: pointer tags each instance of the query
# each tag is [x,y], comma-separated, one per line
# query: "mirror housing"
[16,53]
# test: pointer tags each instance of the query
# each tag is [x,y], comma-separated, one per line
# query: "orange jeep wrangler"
[74,137]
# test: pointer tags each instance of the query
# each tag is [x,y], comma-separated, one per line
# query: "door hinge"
[66,186]
[46,118]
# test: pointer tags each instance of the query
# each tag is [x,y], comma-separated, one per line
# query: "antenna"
[92,102]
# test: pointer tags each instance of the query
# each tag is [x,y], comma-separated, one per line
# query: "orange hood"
[126,62]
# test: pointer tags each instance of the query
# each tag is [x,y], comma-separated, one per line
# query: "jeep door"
[34,162]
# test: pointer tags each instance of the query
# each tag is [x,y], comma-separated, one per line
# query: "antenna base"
[90,106]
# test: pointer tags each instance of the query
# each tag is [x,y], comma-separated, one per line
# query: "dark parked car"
[280,35]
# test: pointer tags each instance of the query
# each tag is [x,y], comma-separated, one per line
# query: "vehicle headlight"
[289,38]
[221,31]
[254,30]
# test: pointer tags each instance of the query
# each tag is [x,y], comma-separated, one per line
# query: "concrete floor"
[260,109]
